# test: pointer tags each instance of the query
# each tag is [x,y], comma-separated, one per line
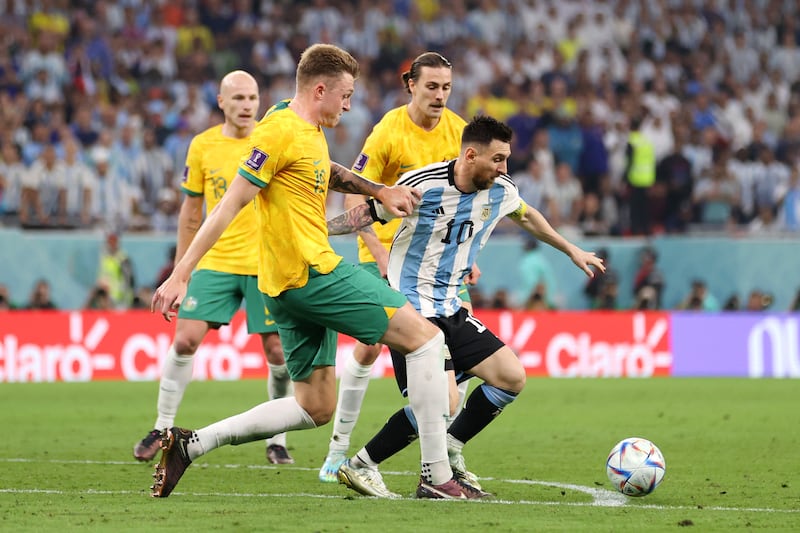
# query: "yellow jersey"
[209,170]
[397,145]
[288,159]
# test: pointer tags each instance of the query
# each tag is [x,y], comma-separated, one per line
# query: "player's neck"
[421,119]
[461,177]
[229,130]
[304,110]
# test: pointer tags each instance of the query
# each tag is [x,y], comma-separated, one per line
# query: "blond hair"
[325,61]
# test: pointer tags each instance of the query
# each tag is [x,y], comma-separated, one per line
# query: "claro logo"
[579,354]
[138,355]
[76,361]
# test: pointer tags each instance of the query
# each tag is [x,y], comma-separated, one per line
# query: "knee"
[320,411]
[185,345]
[273,349]
[512,379]
[517,380]
[320,416]
[366,354]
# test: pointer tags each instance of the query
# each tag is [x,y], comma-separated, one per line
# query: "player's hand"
[168,297]
[584,260]
[400,199]
[473,276]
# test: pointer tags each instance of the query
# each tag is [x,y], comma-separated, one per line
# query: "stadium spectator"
[5,299]
[40,296]
[716,195]
[674,175]
[99,299]
[534,270]
[567,198]
[640,175]
[112,201]
[648,282]
[758,300]
[699,298]
[566,137]
[535,187]
[115,272]
[795,305]
[75,190]
[788,200]
[40,189]
[153,170]
[12,177]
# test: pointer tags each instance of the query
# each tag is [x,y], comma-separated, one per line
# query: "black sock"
[476,415]
[396,434]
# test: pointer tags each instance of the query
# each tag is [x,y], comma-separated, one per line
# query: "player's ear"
[319,90]
[470,153]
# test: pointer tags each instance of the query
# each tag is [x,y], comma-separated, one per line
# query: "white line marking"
[600,497]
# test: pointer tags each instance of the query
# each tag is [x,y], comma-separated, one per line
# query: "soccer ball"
[635,466]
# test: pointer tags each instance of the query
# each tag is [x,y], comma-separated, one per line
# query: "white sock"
[352,388]
[175,376]
[454,446]
[462,393]
[429,399]
[260,422]
[279,385]
[362,459]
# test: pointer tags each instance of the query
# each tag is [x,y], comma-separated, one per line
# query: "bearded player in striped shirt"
[433,249]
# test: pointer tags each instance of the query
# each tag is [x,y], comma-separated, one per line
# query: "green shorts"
[214,297]
[372,268]
[348,300]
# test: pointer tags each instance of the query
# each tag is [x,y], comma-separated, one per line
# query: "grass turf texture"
[730,447]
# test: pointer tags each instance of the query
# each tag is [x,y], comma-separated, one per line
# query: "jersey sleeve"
[264,160]
[379,212]
[374,156]
[192,182]
[513,205]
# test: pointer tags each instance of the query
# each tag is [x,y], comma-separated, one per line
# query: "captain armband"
[519,212]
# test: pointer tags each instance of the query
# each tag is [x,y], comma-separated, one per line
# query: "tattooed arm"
[353,219]
[399,200]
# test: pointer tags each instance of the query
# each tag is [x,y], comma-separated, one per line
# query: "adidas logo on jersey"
[439,211]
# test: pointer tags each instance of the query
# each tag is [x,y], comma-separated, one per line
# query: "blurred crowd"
[99,100]
[537,289]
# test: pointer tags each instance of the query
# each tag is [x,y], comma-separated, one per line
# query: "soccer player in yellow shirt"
[406,138]
[227,274]
[310,291]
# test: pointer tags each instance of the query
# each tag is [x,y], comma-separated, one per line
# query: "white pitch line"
[600,497]
[338,497]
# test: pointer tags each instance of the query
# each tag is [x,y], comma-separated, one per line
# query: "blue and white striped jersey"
[435,246]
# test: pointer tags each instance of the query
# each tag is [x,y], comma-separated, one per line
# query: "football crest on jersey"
[361,162]
[190,304]
[257,159]
[486,211]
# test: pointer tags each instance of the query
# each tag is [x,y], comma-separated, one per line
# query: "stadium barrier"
[48,346]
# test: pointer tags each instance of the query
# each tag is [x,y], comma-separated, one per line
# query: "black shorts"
[469,341]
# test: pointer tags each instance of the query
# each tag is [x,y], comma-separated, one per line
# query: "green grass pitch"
[731,447]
